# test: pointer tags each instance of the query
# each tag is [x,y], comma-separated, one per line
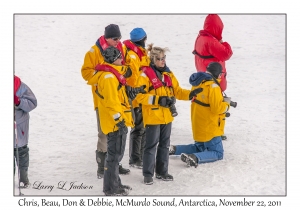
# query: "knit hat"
[111,54]
[215,69]
[112,31]
[137,34]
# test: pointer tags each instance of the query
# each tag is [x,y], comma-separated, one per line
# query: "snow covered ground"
[49,52]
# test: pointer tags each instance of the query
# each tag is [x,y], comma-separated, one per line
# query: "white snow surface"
[49,53]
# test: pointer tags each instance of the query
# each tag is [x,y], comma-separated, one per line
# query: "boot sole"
[148,183]
[135,166]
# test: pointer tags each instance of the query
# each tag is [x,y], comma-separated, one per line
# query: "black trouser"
[23,157]
[137,138]
[115,151]
[157,156]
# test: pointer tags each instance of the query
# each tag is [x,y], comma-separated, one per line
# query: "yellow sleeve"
[91,59]
[180,93]
[217,106]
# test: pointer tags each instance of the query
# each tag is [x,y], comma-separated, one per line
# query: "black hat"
[111,54]
[215,69]
[112,31]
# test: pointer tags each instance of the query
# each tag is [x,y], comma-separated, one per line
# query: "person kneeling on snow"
[24,102]
[208,110]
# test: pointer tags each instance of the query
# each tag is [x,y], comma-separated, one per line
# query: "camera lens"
[173,111]
[233,104]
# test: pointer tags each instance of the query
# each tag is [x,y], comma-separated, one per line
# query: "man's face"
[113,41]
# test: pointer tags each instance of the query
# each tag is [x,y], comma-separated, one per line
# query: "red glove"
[16,100]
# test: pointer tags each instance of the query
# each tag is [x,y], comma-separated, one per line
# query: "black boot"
[100,158]
[24,178]
[123,171]
[223,137]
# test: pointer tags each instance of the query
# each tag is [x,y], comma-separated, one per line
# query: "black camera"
[173,111]
[233,104]
[173,108]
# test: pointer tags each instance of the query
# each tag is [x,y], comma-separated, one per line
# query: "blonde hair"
[154,52]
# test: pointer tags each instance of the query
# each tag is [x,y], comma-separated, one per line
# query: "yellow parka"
[135,63]
[91,59]
[153,113]
[111,99]
[208,121]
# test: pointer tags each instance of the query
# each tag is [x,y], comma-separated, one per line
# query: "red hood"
[17,83]
[214,25]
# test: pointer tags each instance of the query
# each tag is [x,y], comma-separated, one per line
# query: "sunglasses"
[161,59]
[116,38]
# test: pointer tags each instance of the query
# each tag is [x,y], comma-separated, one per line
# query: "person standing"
[158,108]
[210,47]
[93,57]
[24,102]
[208,111]
[139,57]
[116,116]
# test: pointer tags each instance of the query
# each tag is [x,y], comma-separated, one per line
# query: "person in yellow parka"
[116,116]
[139,57]
[208,111]
[93,57]
[162,88]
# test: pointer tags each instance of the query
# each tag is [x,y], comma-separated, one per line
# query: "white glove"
[227,99]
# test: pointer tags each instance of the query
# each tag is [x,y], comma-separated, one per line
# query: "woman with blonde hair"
[162,89]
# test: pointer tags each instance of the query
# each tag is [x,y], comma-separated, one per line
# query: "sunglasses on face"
[161,59]
[116,38]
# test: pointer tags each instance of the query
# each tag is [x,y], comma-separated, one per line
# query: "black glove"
[194,93]
[132,92]
[141,89]
[165,101]
[122,127]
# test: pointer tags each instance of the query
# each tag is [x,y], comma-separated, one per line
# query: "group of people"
[133,87]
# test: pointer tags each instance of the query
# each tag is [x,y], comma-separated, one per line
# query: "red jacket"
[208,44]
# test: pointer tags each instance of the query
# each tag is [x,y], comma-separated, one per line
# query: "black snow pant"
[156,153]
[115,152]
[137,138]
[23,162]
[23,157]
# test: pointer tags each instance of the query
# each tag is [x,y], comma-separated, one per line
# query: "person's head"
[157,55]
[113,56]
[138,36]
[112,35]
[215,69]
[214,25]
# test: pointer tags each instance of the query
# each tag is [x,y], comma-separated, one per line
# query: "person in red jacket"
[209,47]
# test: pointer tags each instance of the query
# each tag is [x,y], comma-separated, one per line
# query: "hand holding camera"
[228,100]
[168,102]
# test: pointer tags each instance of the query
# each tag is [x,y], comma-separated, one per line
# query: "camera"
[173,108]
[233,104]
